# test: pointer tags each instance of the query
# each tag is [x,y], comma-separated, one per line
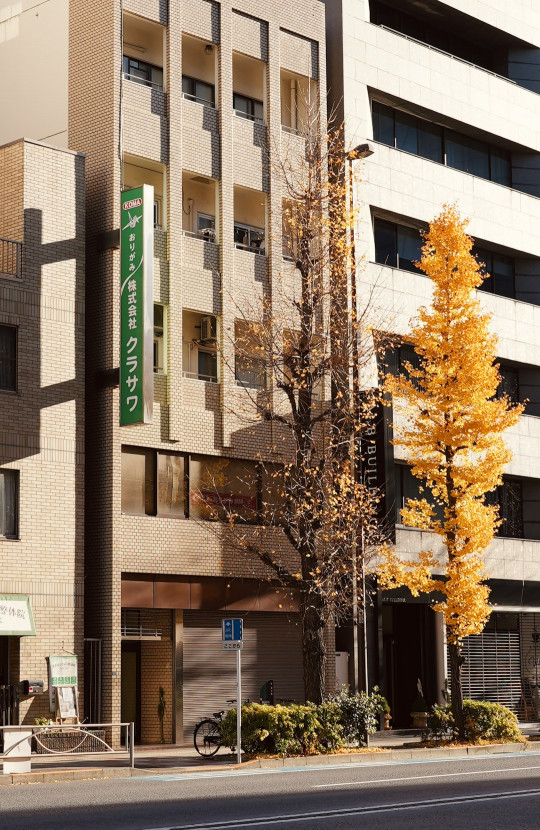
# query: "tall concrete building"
[42,248]
[192,98]
[446,92]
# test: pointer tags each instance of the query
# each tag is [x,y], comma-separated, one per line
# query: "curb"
[387,756]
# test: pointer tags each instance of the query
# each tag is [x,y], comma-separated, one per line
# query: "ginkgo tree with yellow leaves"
[451,427]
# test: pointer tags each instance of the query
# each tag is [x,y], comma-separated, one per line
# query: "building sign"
[63,671]
[373,458]
[136,305]
[16,618]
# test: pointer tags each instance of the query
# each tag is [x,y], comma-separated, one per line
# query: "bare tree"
[301,352]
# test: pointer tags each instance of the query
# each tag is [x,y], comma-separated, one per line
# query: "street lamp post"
[361,151]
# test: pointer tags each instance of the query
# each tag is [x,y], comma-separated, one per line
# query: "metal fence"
[51,740]
[10,258]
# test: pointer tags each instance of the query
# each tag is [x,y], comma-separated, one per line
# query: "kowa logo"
[131,204]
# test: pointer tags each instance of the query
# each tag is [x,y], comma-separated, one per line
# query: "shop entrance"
[131,686]
[409,656]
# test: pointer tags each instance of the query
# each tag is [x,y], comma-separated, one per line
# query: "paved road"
[489,793]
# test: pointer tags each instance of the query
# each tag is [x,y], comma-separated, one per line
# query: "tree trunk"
[456,692]
[313,649]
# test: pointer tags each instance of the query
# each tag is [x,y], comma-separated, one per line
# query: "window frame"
[192,95]
[14,536]
[491,150]
[144,66]
[14,360]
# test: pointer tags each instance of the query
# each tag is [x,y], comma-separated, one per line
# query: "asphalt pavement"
[500,792]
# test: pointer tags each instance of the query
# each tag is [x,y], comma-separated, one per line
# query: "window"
[207,365]
[430,141]
[398,246]
[509,498]
[8,358]
[170,485]
[247,107]
[249,361]
[446,35]
[249,238]
[9,504]
[138,481]
[509,384]
[142,469]
[499,269]
[142,73]
[206,227]
[220,487]
[198,91]
[159,339]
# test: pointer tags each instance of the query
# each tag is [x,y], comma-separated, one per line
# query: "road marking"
[228,773]
[415,777]
[265,821]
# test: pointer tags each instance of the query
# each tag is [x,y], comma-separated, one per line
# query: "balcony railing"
[10,258]
[443,52]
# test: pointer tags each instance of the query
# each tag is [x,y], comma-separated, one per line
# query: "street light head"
[362,151]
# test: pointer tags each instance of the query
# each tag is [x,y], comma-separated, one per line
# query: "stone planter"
[65,741]
[419,719]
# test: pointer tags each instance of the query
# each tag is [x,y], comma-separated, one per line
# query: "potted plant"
[419,712]
[386,715]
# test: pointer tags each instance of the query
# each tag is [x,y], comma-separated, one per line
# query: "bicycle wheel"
[207,738]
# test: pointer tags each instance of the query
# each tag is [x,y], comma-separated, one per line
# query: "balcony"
[10,259]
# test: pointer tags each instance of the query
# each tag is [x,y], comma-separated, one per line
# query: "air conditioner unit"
[208,327]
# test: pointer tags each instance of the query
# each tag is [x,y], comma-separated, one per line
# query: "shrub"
[359,713]
[483,721]
[490,721]
[295,729]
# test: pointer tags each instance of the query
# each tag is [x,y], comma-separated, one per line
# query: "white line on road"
[238,772]
[265,821]
[415,777]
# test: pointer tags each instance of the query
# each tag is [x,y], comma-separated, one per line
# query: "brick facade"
[42,205]
[118,117]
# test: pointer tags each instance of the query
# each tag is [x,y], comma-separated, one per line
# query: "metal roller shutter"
[272,651]
[492,668]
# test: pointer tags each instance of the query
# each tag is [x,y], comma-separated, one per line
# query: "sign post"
[232,636]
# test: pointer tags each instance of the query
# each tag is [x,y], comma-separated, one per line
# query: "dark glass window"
[406,132]
[440,36]
[499,270]
[467,154]
[248,107]
[383,124]
[142,73]
[397,245]
[430,141]
[198,91]
[509,384]
[8,358]
[409,487]
[9,504]
[207,365]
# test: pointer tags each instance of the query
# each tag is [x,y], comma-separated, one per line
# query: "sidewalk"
[175,760]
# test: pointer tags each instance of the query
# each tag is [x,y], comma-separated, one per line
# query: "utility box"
[32,687]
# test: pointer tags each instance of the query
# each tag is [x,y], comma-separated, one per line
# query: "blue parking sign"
[232,630]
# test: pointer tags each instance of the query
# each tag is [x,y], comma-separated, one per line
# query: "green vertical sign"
[136,306]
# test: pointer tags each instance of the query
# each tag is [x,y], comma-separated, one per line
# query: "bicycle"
[207,733]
